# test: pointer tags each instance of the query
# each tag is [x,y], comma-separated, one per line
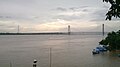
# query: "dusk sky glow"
[54,15]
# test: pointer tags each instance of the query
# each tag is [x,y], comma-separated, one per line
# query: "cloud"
[16,18]
[61,9]
[61,25]
[47,15]
[76,13]
[78,8]
[100,14]
[68,18]
[5,17]
[84,8]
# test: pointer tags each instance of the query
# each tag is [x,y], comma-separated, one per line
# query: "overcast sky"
[54,15]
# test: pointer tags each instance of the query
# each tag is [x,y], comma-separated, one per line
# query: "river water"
[66,51]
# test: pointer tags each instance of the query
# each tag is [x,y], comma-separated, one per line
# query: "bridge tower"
[69,31]
[103,30]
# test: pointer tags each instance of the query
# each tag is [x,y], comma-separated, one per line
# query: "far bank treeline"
[112,40]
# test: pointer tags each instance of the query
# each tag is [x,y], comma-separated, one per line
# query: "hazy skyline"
[53,15]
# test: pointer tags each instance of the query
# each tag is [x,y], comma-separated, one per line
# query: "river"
[66,51]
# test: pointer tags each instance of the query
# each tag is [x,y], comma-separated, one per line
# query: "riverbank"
[56,33]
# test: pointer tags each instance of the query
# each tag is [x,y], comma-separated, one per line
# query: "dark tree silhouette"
[113,40]
[114,10]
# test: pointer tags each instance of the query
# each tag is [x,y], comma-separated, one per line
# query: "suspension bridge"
[101,29]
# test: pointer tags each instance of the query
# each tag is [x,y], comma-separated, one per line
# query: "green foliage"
[113,40]
[114,10]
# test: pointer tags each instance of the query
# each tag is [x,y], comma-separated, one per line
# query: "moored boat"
[95,51]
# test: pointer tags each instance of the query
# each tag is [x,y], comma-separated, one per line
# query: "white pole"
[10,64]
[50,57]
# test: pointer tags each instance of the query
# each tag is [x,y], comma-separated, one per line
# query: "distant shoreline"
[57,33]
[54,33]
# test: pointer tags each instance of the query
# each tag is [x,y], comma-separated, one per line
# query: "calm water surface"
[67,51]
